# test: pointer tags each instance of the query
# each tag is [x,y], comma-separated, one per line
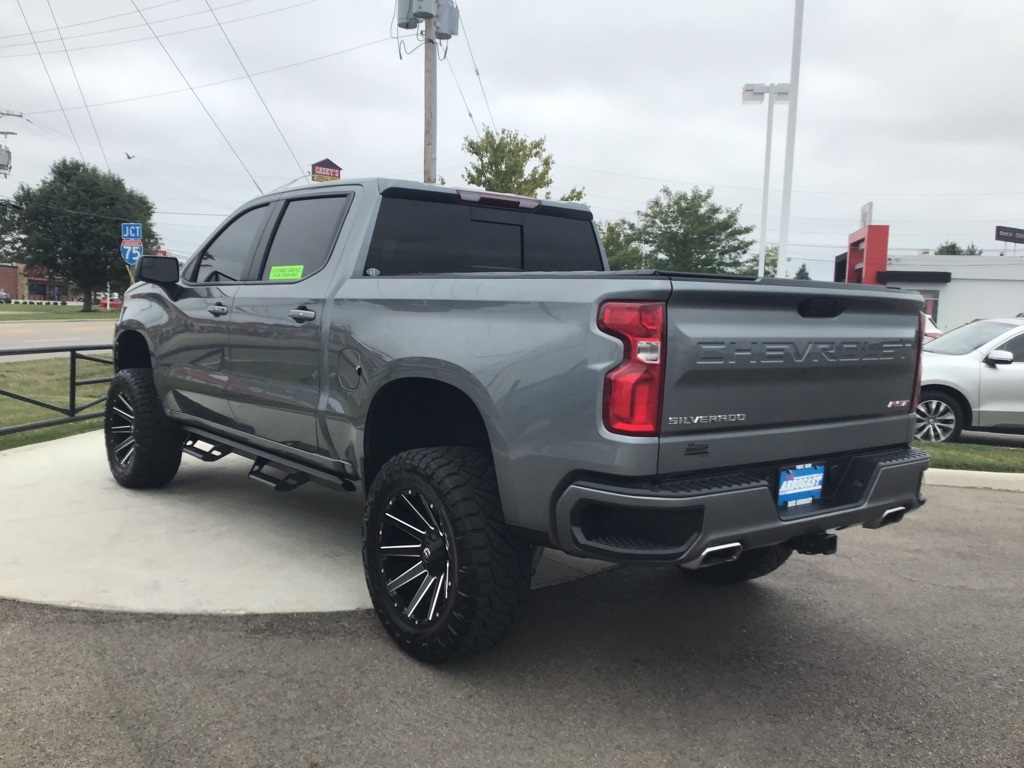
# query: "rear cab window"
[442,234]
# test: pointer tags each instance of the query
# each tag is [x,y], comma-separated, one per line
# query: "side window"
[227,258]
[1016,345]
[304,238]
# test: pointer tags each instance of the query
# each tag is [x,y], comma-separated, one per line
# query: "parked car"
[466,364]
[5,297]
[973,378]
[111,304]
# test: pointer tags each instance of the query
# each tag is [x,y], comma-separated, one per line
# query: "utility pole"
[440,19]
[430,101]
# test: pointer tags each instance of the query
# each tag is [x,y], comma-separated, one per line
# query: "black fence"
[75,411]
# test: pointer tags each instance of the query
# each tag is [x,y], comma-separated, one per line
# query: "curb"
[962,478]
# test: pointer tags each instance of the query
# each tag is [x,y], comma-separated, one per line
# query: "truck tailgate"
[771,370]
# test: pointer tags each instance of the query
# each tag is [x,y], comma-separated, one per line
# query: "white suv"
[973,378]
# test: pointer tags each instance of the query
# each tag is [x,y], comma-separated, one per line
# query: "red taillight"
[917,369]
[632,391]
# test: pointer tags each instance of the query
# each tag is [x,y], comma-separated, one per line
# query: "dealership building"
[956,288]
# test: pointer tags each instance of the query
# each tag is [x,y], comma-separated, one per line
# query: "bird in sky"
[130,157]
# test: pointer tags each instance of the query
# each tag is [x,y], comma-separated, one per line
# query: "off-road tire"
[752,564]
[485,577]
[940,418]
[134,413]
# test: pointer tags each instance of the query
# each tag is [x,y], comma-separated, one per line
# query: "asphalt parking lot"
[905,649]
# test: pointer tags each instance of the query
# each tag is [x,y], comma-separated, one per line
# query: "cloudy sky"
[913,105]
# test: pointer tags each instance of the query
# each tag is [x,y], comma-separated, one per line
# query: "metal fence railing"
[75,411]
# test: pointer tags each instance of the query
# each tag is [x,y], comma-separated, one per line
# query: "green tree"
[71,223]
[619,238]
[689,232]
[952,248]
[12,241]
[802,273]
[509,162]
[771,263]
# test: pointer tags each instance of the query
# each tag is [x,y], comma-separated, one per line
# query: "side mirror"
[999,357]
[162,270]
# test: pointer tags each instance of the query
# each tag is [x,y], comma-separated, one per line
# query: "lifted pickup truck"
[467,363]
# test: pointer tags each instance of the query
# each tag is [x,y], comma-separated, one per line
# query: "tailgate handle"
[822,307]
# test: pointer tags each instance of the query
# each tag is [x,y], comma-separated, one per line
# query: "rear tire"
[445,575]
[751,564]
[143,445]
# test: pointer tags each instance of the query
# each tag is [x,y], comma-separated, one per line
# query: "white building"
[958,289]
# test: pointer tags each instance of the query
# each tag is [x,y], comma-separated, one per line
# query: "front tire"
[940,419]
[445,575]
[751,564]
[143,445]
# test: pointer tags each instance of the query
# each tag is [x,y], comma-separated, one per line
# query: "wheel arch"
[131,351]
[419,412]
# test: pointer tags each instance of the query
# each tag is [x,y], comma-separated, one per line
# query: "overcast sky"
[914,105]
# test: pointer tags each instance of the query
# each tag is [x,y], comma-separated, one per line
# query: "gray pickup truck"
[466,363]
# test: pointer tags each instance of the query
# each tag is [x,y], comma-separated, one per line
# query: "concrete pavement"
[210,542]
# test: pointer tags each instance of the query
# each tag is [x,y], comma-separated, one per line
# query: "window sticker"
[290,272]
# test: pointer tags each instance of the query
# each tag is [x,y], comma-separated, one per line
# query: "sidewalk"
[210,542]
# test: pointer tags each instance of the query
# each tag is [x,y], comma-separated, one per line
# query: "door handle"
[301,314]
[217,310]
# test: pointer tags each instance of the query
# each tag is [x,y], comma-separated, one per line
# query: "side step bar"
[195,447]
[289,482]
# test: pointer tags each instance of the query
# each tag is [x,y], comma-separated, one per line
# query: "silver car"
[973,378]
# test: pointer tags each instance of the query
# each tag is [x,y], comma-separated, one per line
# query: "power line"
[462,23]
[201,104]
[221,82]
[257,90]
[160,21]
[94,21]
[81,93]
[47,70]
[468,110]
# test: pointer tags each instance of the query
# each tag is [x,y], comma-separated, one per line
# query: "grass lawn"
[29,312]
[983,458]
[47,380]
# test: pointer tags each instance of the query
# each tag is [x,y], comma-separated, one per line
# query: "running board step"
[196,447]
[289,482]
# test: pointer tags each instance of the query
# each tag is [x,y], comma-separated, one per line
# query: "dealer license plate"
[801,484]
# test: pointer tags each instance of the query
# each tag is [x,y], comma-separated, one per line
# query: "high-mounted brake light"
[498,198]
[921,328]
[633,390]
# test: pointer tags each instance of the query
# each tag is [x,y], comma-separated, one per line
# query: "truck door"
[277,350]
[193,366]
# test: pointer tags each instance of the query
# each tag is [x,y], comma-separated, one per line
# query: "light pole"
[787,178]
[754,93]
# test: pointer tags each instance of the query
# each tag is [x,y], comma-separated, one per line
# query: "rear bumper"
[675,521]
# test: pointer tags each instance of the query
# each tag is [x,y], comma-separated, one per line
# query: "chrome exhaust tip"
[888,517]
[719,554]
